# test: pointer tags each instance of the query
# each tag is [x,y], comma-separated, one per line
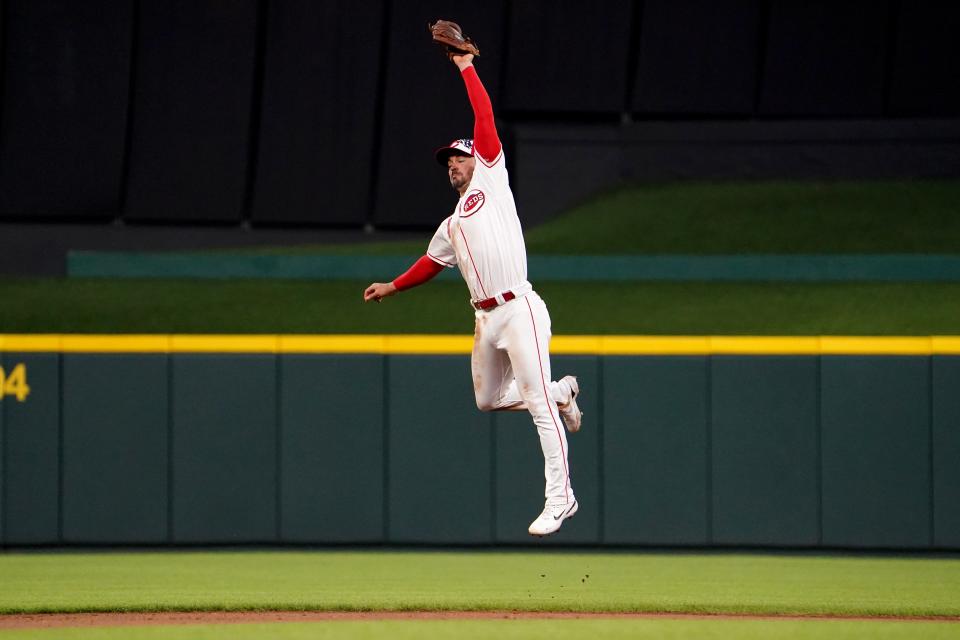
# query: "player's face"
[460,171]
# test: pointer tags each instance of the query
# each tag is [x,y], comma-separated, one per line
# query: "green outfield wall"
[830,442]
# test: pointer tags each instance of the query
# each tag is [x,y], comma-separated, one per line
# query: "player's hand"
[463,61]
[379,290]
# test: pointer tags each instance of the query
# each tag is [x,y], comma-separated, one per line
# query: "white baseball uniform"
[511,357]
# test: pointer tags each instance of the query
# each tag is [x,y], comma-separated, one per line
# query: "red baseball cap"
[460,147]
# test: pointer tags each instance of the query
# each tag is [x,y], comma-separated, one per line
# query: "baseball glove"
[449,36]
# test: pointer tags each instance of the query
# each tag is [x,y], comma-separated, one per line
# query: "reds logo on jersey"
[472,203]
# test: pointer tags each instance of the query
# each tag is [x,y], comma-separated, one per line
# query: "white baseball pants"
[511,372]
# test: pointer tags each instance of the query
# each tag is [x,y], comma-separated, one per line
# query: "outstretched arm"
[486,142]
[422,270]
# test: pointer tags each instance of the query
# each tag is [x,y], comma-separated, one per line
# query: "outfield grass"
[257,306]
[518,581]
[533,581]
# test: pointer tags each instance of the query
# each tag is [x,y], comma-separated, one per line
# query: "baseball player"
[511,360]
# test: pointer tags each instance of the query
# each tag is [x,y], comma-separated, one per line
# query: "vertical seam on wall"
[60,487]
[709,448]
[633,58]
[278,444]
[505,29]
[493,477]
[256,109]
[763,35]
[818,446]
[131,95]
[930,457]
[5,35]
[507,132]
[385,443]
[378,111]
[601,462]
[170,444]
[890,55]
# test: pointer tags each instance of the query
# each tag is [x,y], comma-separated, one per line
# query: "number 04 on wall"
[14,384]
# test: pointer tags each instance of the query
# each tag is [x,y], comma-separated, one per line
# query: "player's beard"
[459,181]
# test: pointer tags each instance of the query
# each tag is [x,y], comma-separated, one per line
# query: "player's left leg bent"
[494,383]
[494,386]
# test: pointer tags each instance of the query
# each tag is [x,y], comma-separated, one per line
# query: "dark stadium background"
[149,124]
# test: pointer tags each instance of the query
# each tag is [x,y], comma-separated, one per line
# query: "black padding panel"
[568,56]
[697,57]
[65,86]
[191,110]
[825,58]
[318,112]
[925,80]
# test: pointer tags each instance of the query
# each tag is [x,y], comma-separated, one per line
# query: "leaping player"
[511,359]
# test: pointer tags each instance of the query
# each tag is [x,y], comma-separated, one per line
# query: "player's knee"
[486,401]
[485,404]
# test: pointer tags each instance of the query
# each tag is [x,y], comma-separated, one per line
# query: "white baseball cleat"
[552,517]
[570,412]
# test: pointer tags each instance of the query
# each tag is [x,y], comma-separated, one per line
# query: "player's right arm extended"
[422,270]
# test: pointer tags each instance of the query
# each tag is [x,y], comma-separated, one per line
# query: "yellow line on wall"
[461,344]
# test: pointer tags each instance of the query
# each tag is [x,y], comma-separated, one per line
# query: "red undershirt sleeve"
[486,142]
[422,270]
